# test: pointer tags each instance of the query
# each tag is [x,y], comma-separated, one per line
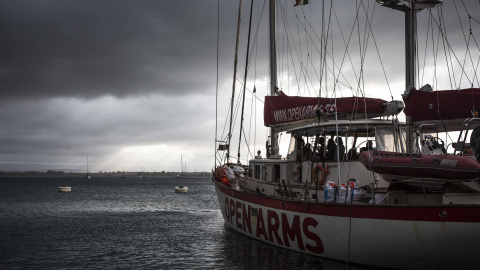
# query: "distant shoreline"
[135,175]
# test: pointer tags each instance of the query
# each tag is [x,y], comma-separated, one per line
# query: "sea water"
[138,223]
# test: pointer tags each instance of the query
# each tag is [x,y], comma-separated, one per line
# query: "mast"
[410,35]
[234,80]
[245,81]
[273,66]
[410,8]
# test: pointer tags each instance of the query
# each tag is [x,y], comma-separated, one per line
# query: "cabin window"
[250,170]
[257,171]
[276,173]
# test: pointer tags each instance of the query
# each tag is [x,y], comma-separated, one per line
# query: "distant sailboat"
[143,176]
[182,175]
[88,174]
[181,189]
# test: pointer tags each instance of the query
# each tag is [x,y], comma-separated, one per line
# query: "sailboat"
[88,176]
[182,174]
[181,188]
[354,202]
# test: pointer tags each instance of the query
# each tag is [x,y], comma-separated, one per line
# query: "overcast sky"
[131,84]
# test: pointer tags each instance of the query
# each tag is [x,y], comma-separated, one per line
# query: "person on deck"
[307,152]
[331,147]
[368,147]
[320,155]
[300,158]
[341,149]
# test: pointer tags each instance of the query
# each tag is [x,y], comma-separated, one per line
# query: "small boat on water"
[181,189]
[64,189]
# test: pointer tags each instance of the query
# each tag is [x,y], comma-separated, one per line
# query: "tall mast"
[410,8]
[181,163]
[234,80]
[273,66]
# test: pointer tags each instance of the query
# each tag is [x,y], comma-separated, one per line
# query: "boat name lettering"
[303,112]
[274,227]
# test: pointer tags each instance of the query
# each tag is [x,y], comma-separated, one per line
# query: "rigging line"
[237,109]
[475,71]
[286,27]
[332,56]
[300,49]
[309,59]
[478,47]
[326,36]
[435,56]
[233,123]
[309,50]
[449,59]
[451,49]
[429,25]
[255,39]
[302,63]
[379,56]
[324,52]
[336,116]
[234,75]
[245,79]
[473,37]
[359,79]
[470,17]
[320,51]
[440,11]
[216,83]
[322,56]
[349,39]
[247,145]
[463,32]
[362,59]
[284,53]
[365,46]
[467,52]
[251,91]
[254,88]
[361,82]
[302,69]
[349,227]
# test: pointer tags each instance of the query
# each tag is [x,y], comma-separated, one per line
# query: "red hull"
[428,166]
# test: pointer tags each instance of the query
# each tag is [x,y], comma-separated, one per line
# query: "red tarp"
[283,109]
[442,105]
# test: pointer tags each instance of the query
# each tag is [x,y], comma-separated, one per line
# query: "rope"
[216,83]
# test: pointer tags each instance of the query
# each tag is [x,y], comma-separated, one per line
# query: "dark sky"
[132,84]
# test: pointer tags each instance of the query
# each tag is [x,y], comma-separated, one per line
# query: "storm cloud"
[132,84]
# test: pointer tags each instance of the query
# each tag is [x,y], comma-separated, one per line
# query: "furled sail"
[445,108]
[286,111]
